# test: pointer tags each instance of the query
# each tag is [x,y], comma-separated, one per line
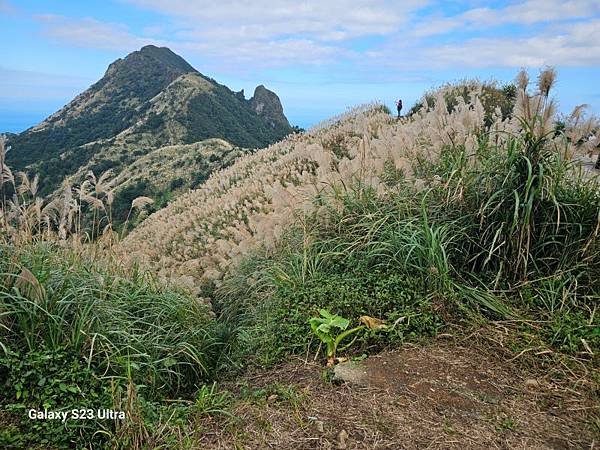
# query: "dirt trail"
[442,395]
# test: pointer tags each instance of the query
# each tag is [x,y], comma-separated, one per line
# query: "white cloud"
[266,33]
[274,18]
[90,33]
[525,13]
[573,44]
[263,53]
[247,36]
[238,48]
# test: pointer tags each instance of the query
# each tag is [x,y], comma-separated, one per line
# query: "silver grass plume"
[546,80]
[522,79]
[141,202]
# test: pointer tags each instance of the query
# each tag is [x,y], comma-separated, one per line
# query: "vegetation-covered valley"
[452,255]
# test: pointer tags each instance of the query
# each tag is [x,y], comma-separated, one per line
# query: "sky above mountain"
[320,57]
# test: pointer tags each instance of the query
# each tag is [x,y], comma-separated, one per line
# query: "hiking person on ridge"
[399,106]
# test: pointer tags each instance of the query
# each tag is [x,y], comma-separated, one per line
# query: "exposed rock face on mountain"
[150,99]
[266,104]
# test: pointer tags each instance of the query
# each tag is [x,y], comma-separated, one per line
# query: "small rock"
[351,372]
[320,426]
[532,383]
[342,436]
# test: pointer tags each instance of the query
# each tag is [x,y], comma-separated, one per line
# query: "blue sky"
[320,56]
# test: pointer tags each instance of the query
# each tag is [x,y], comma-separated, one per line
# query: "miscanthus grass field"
[472,210]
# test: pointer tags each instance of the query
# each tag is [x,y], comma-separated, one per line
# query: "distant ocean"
[15,122]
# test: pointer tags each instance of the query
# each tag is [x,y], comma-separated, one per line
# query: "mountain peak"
[162,58]
[152,48]
[150,98]
[108,107]
[267,104]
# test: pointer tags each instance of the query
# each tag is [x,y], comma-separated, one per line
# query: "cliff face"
[266,104]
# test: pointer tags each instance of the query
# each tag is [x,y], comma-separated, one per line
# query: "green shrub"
[176,183]
[572,331]
[124,196]
[53,380]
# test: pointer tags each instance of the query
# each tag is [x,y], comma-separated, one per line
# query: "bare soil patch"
[444,394]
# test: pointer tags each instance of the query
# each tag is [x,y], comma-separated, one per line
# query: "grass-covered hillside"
[452,255]
[167,172]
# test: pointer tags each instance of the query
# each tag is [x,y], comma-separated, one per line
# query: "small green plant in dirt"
[364,266]
[325,328]
[506,424]
[212,401]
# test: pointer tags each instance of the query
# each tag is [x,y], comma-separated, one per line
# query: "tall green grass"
[111,319]
[75,334]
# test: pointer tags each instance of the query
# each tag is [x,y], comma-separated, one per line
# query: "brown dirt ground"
[442,394]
